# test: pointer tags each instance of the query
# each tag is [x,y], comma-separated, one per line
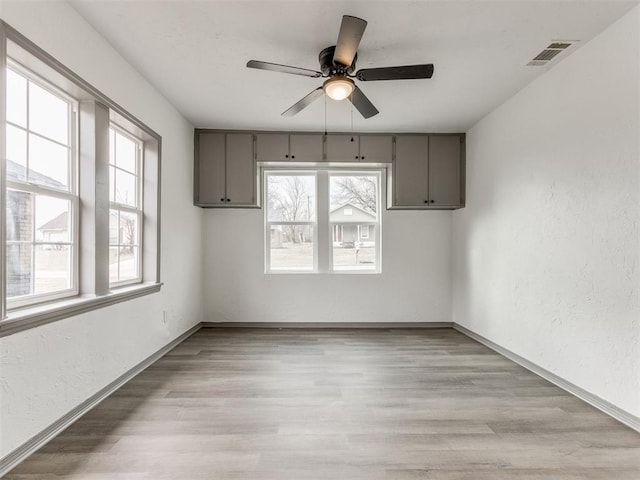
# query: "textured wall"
[415,284]
[546,253]
[46,371]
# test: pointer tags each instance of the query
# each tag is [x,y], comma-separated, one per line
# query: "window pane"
[52,268]
[125,153]
[16,98]
[128,259]
[16,153]
[48,114]
[52,219]
[18,270]
[357,192]
[19,216]
[291,247]
[291,198]
[126,188]
[48,163]
[128,228]
[113,264]
[354,246]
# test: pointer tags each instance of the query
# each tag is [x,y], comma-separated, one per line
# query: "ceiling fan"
[337,64]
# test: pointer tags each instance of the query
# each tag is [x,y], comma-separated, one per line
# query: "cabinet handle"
[222,199]
[362,157]
[432,201]
[426,201]
[228,199]
[356,157]
[286,156]
[293,156]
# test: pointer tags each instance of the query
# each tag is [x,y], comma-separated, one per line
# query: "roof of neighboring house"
[61,222]
[15,170]
[358,215]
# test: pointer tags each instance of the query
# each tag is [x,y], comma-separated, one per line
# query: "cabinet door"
[342,148]
[376,148]
[410,184]
[272,147]
[241,176]
[306,148]
[444,170]
[210,176]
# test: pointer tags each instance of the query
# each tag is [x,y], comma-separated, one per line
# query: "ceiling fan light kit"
[337,64]
[338,87]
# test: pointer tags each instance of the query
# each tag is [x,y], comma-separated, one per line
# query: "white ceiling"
[195,52]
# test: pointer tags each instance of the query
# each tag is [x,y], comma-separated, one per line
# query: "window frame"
[377,236]
[270,223]
[323,228]
[95,112]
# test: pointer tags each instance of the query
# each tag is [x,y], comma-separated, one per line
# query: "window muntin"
[334,227]
[125,212]
[41,196]
[291,221]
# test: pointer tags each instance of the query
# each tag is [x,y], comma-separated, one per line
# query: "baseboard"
[30,446]
[327,324]
[601,404]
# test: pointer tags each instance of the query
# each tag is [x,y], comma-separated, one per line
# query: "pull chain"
[325,114]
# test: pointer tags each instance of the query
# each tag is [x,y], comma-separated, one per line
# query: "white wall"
[415,285]
[546,253]
[46,371]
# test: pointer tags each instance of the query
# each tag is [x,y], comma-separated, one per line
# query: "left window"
[80,190]
[41,193]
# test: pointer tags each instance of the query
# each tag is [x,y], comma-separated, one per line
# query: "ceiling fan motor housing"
[328,67]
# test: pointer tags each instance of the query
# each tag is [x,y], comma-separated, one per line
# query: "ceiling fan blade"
[362,103]
[275,67]
[406,72]
[351,32]
[304,103]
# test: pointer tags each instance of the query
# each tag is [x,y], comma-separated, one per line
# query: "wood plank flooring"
[272,404]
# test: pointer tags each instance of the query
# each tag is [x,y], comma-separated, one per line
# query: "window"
[80,220]
[355,200]
[41,195]
[322,220]
[125,212]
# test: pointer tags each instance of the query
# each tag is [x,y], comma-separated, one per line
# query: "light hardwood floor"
[406,404]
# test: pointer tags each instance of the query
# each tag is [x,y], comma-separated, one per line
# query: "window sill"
[26,318]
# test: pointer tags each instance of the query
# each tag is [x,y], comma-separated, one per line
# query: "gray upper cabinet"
[410,181]
[342,148]
[241,176]
[376,148]
[225,170]
[427,171]
[272,147]
[306,147]
[210,169]
[444,170]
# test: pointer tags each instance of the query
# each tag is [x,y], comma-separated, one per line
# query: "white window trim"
[323,228]
[90,298]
